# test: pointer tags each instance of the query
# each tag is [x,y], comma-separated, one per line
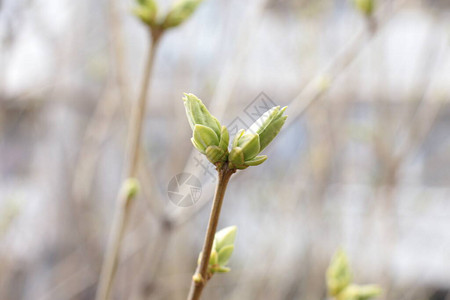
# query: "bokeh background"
[363,162]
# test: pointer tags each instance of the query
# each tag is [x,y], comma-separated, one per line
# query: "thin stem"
[125,200]
[138,113]
[202,270]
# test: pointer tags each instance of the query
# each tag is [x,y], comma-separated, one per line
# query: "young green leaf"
[147,11]
[225,237]
[249,143]
[338,274]
[225,255]
[180,12]
[272,128]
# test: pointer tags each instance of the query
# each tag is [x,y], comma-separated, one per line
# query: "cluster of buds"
[212,139]
[147,11]
[223,247]
[339,281]
[248,144]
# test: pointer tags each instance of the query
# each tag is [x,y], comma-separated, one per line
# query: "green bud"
[222,249]
[215,154]
[249,143]
[204,137]
[130,188]
[180,12]
[223,246]
[365,6]
[146,10]
[338,274]
[197,278]
[236,158]
[197,113]
[209,137]
[245,150]
[339,280]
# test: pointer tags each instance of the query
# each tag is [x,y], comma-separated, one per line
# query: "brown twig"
[201,276]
